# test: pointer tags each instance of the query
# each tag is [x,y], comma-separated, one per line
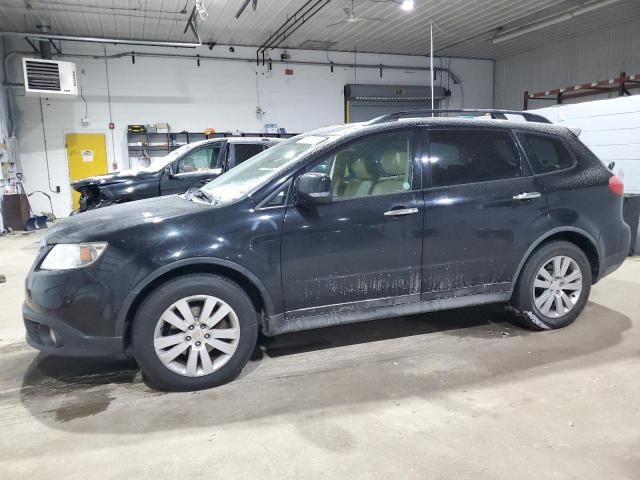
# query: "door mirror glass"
[313,188]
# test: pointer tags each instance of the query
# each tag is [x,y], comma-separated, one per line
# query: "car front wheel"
[553,287]
[194,332]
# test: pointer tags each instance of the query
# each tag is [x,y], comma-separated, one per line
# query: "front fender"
[121,321]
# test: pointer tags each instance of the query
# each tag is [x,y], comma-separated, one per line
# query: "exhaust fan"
[49,78]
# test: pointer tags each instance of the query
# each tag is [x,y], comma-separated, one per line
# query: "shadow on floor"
[303,371]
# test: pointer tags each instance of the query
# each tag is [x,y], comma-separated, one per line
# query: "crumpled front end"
[90,197]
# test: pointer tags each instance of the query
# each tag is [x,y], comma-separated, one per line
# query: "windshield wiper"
[199,193]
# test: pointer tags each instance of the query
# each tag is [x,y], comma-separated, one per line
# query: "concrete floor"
[459,394]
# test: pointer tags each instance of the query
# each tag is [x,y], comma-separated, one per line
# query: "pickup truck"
[188,166]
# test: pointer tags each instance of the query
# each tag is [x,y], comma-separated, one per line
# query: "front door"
[196,168]
[481,212]
[363,249]
[87,157]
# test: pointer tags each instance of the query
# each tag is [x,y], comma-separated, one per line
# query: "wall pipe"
[121,41]
[376,66]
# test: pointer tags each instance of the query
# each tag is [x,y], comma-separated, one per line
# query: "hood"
[115,177]
[97,224]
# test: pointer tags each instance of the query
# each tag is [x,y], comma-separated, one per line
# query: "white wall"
[218,94]
[598,55]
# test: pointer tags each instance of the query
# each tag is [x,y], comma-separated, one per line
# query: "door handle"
[401,211]
[527,196]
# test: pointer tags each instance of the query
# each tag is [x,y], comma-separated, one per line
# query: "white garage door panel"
[619,152]
[610,128]
[624,136]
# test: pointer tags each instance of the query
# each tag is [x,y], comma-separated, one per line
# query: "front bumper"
[52,335]
[73,312]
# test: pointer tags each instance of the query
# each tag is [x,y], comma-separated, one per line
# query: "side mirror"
[168,170]
[611,165]
[313,188]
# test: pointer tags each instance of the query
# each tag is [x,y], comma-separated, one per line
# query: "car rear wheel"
[553,287]
[194,332]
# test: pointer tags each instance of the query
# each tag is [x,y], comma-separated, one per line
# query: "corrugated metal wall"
[598,55]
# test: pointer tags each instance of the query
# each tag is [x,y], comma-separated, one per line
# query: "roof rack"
[494,114]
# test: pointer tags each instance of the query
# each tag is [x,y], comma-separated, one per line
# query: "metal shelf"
[620,85]
[146,145]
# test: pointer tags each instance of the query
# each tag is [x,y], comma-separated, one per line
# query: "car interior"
[370,167]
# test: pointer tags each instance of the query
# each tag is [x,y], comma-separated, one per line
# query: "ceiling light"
[407,5]
[517,32]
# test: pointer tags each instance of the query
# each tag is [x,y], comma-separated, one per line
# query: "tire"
[532,284]
[231,326]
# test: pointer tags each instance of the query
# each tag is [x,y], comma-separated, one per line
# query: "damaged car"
[186,167]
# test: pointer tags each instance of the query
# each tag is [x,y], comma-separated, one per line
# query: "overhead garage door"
[364,102]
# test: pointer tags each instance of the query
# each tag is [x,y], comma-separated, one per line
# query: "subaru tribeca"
[356,222]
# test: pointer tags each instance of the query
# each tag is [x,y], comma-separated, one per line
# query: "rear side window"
[546,154]
[245,151]
[469,156]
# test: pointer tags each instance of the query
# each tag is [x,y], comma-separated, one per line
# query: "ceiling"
[463,28]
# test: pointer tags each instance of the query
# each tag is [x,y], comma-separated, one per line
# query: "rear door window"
[244,151]
[464,156]
[546,154]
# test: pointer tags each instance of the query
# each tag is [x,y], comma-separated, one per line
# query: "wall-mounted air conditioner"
[49,78]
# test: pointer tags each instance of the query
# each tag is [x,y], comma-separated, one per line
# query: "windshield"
[258,170]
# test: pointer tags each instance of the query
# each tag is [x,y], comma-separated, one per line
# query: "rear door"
[363,249]
[194,169]
[482,210]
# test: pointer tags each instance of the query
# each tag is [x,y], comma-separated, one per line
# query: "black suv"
[186,167]
[396,216]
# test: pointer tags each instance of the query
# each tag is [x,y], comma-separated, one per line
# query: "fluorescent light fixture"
[593,6]
[532,28]
[407,5]
[517,32]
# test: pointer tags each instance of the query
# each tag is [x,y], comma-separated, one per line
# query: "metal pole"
[431,67]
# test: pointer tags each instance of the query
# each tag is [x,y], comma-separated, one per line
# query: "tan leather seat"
[395,167]
[363,176]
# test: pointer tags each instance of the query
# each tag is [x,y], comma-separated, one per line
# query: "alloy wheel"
[196,335]
[557,286]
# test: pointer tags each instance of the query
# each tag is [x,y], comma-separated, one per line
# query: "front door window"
[200,160]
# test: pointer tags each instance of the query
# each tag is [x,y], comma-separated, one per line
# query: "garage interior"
[451,394]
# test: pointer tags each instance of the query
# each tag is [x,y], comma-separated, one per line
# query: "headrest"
[394,163]
[363,169]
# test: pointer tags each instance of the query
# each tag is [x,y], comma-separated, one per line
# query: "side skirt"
[278,324]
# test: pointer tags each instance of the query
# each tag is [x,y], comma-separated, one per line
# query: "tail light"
[616,185]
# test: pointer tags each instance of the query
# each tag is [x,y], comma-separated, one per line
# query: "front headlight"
[65,256]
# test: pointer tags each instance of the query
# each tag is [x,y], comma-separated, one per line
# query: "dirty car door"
[363,249]
[481,213]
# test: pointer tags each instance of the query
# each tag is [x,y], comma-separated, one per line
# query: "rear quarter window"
[546,154]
